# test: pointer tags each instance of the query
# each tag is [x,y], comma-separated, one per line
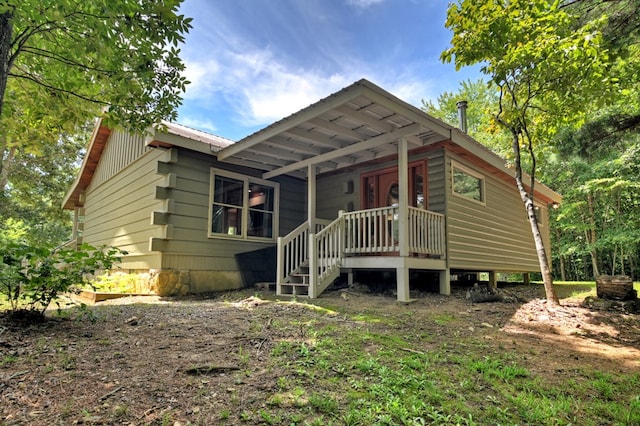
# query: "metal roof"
[360,123]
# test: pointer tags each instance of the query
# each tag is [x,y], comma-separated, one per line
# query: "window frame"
[246,208]
[455,166]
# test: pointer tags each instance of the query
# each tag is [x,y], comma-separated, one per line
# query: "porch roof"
[359,124]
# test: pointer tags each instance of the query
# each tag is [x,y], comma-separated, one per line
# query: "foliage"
[31,277]
[122,55]
[482,102]
[599,217]
[36,187]
[63,63]
[545,65]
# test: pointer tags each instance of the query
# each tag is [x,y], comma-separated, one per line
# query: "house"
[360,180]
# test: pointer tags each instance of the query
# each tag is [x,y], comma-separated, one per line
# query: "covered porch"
[360,126]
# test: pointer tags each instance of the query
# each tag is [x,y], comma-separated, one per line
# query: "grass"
[369,368]
[370,375]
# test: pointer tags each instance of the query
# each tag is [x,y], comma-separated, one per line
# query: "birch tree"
[547,68]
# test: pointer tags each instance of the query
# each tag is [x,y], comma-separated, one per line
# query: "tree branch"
[51,55]
[57,89]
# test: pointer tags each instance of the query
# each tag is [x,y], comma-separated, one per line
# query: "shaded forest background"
[593,159]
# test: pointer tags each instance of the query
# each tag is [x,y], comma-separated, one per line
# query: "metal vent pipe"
[462,115]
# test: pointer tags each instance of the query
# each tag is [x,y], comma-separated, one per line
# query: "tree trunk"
[591,238]
[543,260]
[563,273]
[6,161]
[6,32]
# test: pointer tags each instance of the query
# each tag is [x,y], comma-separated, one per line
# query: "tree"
[546,68]
[482,100]
[63,62]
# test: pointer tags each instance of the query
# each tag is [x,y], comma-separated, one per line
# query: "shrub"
[31,277]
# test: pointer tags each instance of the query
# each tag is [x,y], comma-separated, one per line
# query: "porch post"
[403,196]
[311,197]
[402,273]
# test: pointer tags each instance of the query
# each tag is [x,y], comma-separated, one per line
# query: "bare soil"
[147,360]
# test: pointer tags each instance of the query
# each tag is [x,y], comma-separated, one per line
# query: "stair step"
[303,277]
[294,289]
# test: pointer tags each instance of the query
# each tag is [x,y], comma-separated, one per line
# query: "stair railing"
[292,252]
[326,251]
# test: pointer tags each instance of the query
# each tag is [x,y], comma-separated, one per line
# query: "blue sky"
[253,62]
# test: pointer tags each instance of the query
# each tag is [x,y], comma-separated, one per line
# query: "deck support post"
[445,282]
[526,278]
[402,282]
[493,280]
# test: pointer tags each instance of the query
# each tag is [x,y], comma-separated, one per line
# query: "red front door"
[380,188]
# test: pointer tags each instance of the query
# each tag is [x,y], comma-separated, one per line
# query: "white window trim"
[245,205]
[472,173]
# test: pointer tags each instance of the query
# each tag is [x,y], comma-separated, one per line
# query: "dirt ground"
[134,363]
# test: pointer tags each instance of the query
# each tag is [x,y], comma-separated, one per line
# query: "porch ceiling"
[360,123]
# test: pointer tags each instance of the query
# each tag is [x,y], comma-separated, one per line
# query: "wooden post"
[445,282]
[279,266]
[493,280]
[311,197]
[313,265]
[403,196]
[402,273]
[526,279]
[402,279]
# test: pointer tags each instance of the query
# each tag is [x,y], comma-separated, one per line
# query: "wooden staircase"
[309,260]
[297,283]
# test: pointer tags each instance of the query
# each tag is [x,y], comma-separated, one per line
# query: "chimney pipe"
[462,115]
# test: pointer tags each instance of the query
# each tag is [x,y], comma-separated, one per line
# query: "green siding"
[187,246]
[495,236]
[117,210]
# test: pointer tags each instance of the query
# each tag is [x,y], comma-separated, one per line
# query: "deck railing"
[362,232]
[371,231]
[426,232]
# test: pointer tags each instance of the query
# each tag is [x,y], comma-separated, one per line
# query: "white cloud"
[272,92]
[204,125]
[202,76]
[257,85]
[363,3]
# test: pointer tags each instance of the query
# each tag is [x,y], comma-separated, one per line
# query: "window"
[242,206]
[467,183]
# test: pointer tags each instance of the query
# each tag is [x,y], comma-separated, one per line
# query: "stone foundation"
[181,283]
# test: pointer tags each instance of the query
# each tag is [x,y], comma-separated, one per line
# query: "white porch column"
[402,273]
[403,196]
[311,197]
